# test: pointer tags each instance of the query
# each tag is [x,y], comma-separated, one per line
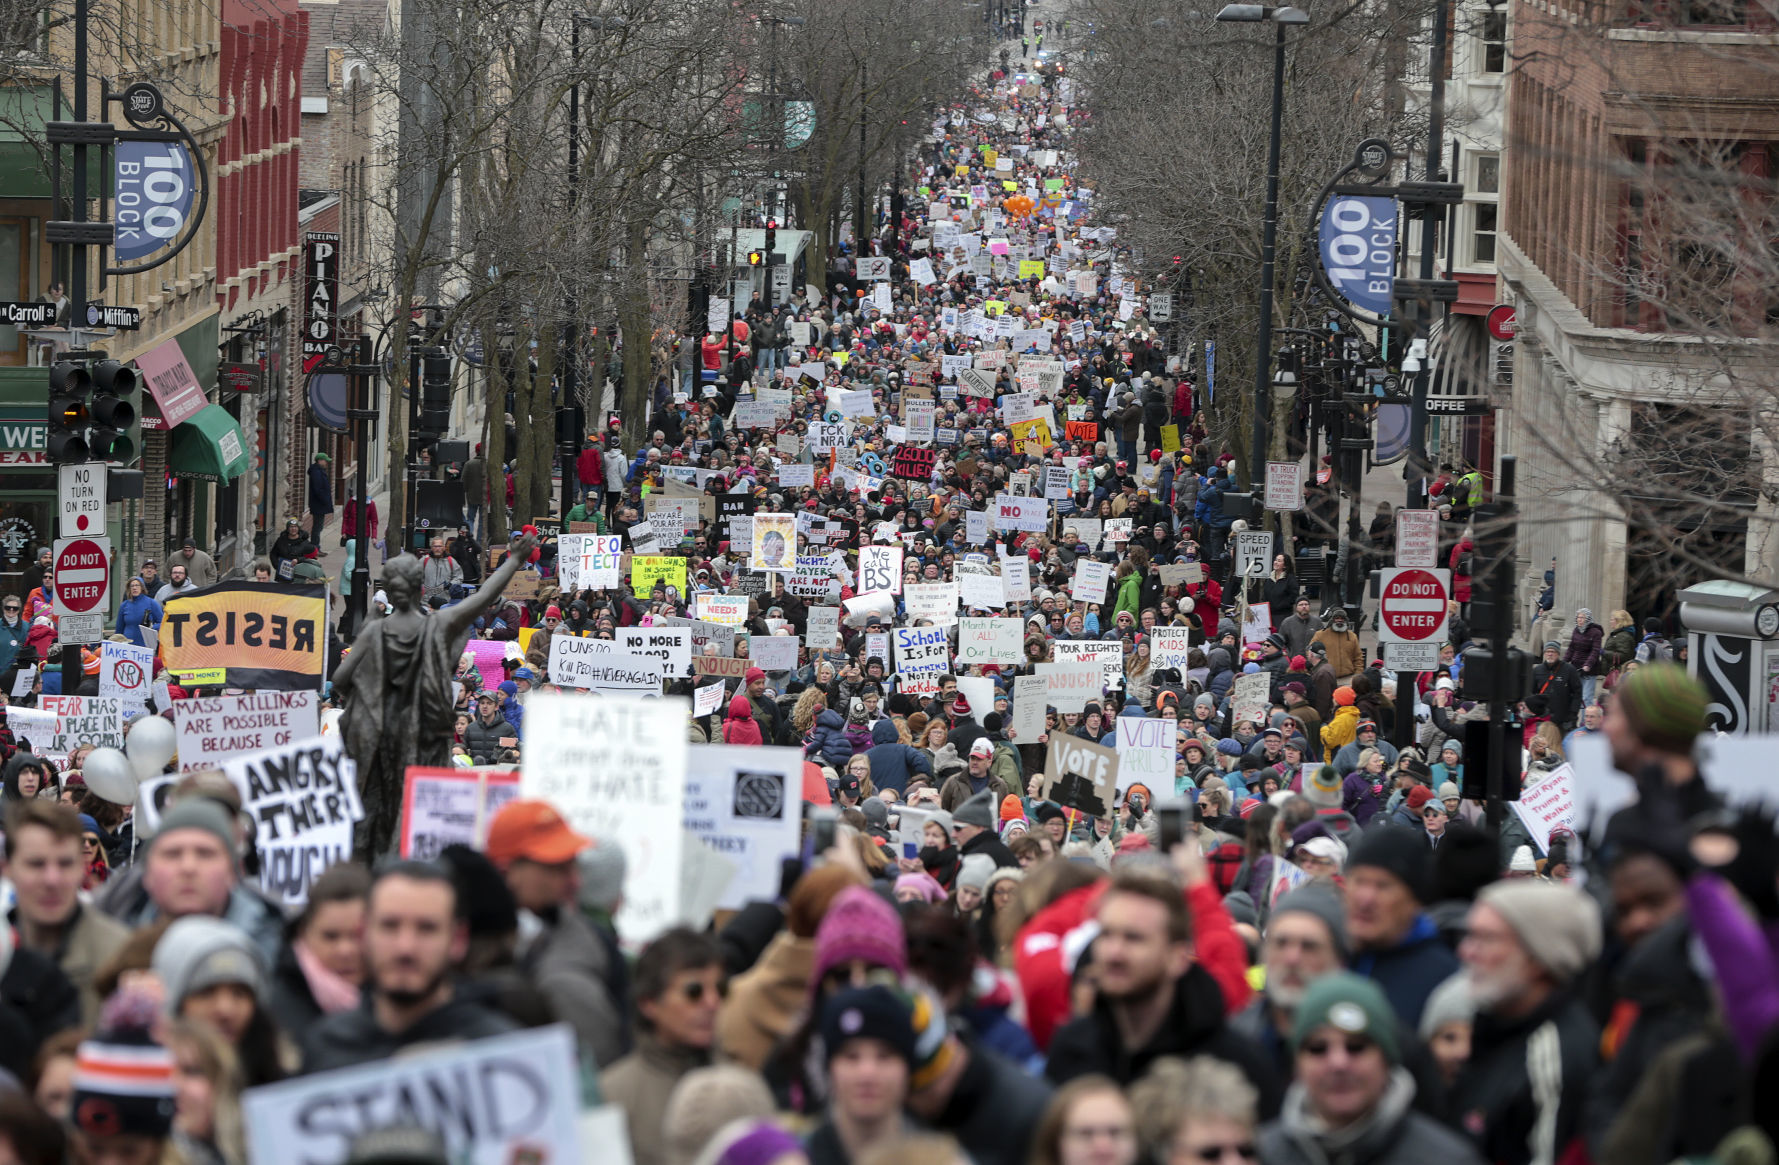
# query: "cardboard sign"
[126,672]
[727,667]
[1081,776]
[913,464]
[597,665]
[979,585]
[1250,696]
[922,649]
[442,807]
[746,803]
[933,601]
[211,731]
[990,641]
[1145,753]
[793,476]
[1070,687]
[1175,574]
[1016,513]
[1170,647]
[264,637]
[615,767]
[494,1101]
[1092,578]
[303,798]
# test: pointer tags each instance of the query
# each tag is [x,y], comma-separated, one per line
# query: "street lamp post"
[1280,18]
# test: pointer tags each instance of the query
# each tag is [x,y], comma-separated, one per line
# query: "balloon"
[150,744]
[109,775]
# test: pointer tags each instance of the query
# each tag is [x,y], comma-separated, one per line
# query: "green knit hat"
[1665,705]
[1351,1004]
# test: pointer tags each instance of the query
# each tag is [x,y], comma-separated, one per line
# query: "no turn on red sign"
[1412,604]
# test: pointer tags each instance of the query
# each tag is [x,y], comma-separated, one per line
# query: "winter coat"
[858,736]
[355,1037]
[1344,653]
[1463,552]
[482,740]
[1392,1134]
[1340,731]
[1586,646]
[1523,1090]
[960,788]
[36,1002]
[739,726]
[12,637]
[1620,648]
[766,1001]
[1409,971]
[892,762]
[640,1084]
[827,741]
[1357,799]
[1129,596]
[135,614]
[572,966]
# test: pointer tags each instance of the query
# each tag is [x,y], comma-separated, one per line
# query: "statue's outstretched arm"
[459,616]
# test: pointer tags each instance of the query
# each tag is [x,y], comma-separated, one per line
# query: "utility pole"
[860,230]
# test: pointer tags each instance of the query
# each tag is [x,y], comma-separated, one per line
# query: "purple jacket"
[1584,647]
[1744,956]
[1357,798]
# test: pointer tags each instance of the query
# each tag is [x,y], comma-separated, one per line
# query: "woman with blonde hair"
[1139,678]
[809,705]
[1194,1111]
[207,1094]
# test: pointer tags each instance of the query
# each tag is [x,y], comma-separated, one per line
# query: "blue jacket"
[134,614]
[1409,971]
[828,744]
[892,762]
[12,637]
[1210,504]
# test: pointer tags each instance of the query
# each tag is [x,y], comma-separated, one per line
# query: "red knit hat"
[1012,809]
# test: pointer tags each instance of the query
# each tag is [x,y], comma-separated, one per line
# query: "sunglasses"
[90,842]
[1320,1046]
[695,990]
[1246,1152]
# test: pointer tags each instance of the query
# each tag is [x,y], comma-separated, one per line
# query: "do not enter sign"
[1412,604]
[82,575]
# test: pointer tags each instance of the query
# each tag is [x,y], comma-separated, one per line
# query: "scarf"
[332,993]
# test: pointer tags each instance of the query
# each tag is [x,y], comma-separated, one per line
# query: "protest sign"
[1145,753]
[922,649]
[989,641]
[934,601]
[1081,776]
[774,653]
[1170,647]
[727,610]
[211,730]
[708,698]
[855,403]
[671,645]
[80,720]
[648,569]
[730,507]
[912,463]
[976,527]
[1056,481]
[615,767]
[1092,577]
[1081,431]
[822,631]
[1548,805]
[263,637]
[1016,513]
[1258,623]
[979,585]
[597,665]
[746,803]
[125,671]
[1250,696]
[826,435]
[1175,574]
[1072,686]
[1031,697]
[1016,579]
[920,418]
[303,799]
[1109,655]
[492,1101]
[814,578]
[724,666]
[600,559]
[774,542]
[881,570]
[1086,529]
[1117,530]
[442,807]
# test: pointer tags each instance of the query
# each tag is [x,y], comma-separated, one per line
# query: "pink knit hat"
[859,925]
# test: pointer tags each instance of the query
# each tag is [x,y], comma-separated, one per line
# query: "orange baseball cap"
[532,831]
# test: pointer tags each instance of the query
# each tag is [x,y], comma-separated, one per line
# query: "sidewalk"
[333,555]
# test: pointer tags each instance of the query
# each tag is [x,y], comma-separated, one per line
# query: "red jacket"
[589,468]
[1460,580]
[1182,400]
[349,519]
[1048,947]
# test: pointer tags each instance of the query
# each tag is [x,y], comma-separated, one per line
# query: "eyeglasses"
[1246,1152]
[1320,1046]
[694,990]
[90,842]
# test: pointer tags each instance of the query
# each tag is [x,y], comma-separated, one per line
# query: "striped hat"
[123,1079]
[1665,705]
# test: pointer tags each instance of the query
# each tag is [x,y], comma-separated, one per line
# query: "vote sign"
[83,574]
[1412,604]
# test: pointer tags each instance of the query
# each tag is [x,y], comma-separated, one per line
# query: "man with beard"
[1153,997]
[1534,1046]
[414,934]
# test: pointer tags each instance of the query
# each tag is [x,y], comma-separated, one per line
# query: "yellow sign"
[1009,187]
[1031,268]
[203,677]
[648,569]
[994,307]
[962,169]
[1036,430]
[272,638]
[1170,438]
[989,155]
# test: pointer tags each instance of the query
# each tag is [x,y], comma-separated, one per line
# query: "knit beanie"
[708,1099]
[1344,696]
[602,867]
[1558,925]
[204,814]
[123,1079]
[1348,1003]
[1011,807]
[1322,903]
[757,1142]
[876,1012]
[199,952]
[859,925]
[1323,787]
[1665,705]
[921,883]
[1399,851]
[974,872]
[1450,1003]
[978,810]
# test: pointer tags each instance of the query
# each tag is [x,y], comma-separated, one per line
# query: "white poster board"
[212,730]
[303,798]
[596,665]
[989,641]
[746,804]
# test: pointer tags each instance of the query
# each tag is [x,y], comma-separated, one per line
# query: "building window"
[1492,32]
[1484,190]
[1713,13]
[1482,239]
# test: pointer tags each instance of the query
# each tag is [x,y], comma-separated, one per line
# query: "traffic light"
[771,236]
[70,405]
[435,393]
[112,411]
[756,258]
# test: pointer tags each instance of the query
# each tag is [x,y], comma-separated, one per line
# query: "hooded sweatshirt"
[738,725]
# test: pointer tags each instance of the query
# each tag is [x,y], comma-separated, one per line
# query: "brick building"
[1642,143]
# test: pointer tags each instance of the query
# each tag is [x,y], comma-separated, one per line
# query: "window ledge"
[1715,36]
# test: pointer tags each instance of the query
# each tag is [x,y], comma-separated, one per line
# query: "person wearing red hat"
[766,711]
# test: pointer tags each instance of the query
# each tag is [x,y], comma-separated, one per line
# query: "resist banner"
[211,731]
[263,637]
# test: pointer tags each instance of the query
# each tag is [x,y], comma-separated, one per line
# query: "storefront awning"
[209,446]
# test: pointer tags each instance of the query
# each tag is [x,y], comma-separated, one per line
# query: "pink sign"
[488,653]
[172,383]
